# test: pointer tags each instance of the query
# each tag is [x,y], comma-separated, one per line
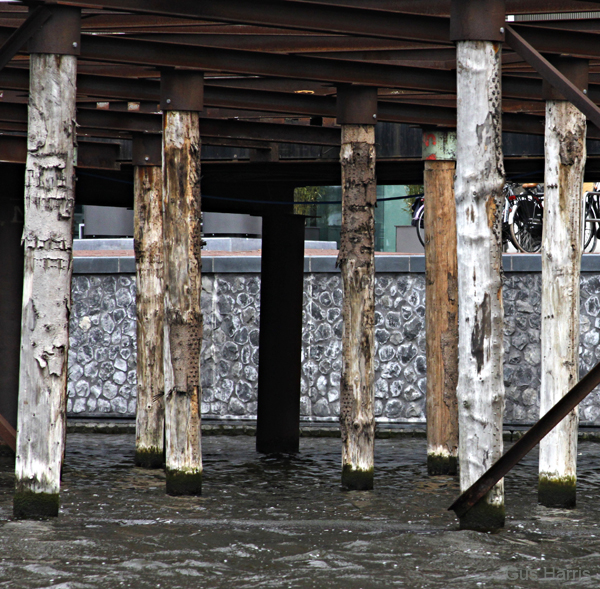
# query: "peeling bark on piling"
[357,265]
[561,261]
[148,232]
[478,192]
[441,318]
[47,237]
[183,319]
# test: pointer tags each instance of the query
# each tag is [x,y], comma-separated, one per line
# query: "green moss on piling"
[483,517]
[438,464]
[557,492]
[149,458]
[184,483]
[29,505]
[357,480]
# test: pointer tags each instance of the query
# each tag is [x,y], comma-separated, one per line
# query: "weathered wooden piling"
[441,293]
[280,339]
[148,245]
[476,26]
[357,112]
[181,101]
[48,242]
[561,260]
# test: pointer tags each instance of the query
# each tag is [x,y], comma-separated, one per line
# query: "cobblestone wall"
[103,346]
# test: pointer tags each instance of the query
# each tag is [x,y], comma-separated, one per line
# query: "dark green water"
[284,522]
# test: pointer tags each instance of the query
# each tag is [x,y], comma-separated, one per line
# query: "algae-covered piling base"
[438,464]
[184,483]
[149,458]
[357,480]
[557,492]
[28,505]
[483,517]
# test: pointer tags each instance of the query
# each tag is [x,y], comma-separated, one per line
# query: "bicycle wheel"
[420,226]
[589,229]
[526,226]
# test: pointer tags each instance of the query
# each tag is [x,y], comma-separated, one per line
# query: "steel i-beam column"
[478,28]
[181,101]
[561,260]
[11,291]
[441,293]
[357,113]
[48,241]
[148,245]
[280,339]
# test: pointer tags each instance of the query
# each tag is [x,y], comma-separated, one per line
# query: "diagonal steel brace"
[541,65]
[15,42]
[502,466]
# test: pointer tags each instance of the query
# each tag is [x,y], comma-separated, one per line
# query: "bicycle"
[418,217]
[525,220]
[592,219]
[526,223]
[509,235]
[522,218]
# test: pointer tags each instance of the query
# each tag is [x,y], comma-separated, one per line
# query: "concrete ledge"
[308,429]
[525,263]
[322,264]
[233,264]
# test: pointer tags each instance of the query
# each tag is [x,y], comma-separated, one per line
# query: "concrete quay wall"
[102,356]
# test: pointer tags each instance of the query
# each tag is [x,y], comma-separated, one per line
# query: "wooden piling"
[183,319]
[479,202]
[561,260]
[148,244]
[48,242]
[357,265]
[181,100]
[441,310]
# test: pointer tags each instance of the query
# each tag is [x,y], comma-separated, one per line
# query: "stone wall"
[103,346]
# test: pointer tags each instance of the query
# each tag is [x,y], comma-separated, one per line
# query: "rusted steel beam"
[147,90]
[32,24]
[367,23]
[254,63]
[520,449]
[553,76]
[281,43]
[123,121]
[442,7]
[104,156]
[8,434]
[270,132]
[574,43]
[417,114]
[265,132]
[249,131]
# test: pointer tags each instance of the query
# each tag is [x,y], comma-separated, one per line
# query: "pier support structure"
[280,339]
[148,245]
[48,243]
[181,101]
[561,260]
[11,291]
[357,113]
[441,292]
[478,28]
